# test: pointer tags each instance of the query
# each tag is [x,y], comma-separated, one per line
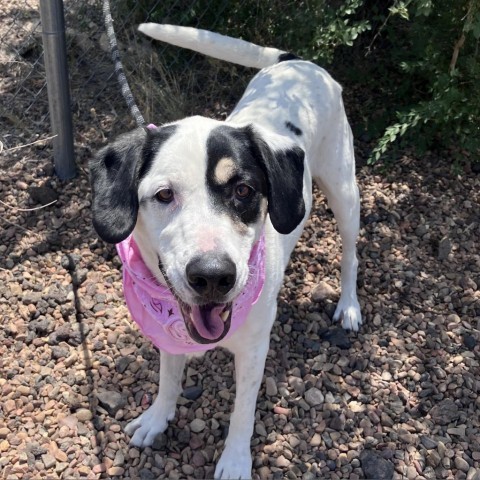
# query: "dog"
[206,214]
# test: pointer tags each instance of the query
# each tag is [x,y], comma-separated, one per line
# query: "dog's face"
[196,194]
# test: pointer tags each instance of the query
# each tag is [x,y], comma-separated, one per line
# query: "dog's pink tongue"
[207,321]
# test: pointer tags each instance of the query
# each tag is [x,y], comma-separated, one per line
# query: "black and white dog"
[198,195]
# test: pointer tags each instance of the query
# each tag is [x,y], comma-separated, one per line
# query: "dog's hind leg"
[155,420]
[336,178]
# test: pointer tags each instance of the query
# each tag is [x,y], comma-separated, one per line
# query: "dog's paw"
[234,464]
[348,311]
[147,426]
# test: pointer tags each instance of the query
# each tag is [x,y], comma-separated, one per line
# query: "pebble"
[323,291]
[115,471]
[48,460]
[314,397]
[83,415]
[111,401]
[271,389]
[461,464]
[337,337]
[282,462]
[197,425]
[193,392]
[444,412]
[376,467]
[428,442]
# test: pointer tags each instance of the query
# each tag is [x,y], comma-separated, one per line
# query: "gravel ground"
[400,399]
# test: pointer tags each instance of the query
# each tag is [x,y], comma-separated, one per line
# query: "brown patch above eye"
[224,170]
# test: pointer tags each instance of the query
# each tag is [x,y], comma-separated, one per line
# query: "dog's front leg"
[154,421]
[236,459]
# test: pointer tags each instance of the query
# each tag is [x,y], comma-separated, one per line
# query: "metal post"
[55,51]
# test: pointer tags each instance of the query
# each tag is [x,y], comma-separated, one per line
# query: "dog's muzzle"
[211,277]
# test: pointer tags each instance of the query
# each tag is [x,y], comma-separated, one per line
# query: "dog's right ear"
[114,181]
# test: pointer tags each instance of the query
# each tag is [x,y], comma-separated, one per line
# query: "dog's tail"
[215,45]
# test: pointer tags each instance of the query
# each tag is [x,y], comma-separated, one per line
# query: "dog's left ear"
[284,173]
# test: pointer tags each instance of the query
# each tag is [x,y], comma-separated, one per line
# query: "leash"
[122,79]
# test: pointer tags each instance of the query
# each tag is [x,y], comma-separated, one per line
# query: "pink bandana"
[154,308]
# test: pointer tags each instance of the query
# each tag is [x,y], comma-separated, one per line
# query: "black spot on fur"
[115,173]
[285,57]
[293,128]
[276,174]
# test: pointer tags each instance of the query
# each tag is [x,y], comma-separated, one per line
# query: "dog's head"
[196,193]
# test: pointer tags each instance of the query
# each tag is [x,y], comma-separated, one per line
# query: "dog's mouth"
[206,323]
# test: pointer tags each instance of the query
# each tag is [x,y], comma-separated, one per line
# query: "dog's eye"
[165,195]
[243,191]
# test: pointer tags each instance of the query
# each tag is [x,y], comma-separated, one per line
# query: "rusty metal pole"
[55,52]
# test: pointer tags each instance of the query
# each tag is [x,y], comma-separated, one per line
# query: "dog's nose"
[211,275]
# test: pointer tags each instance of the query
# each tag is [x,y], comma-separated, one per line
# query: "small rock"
[4,431]
[297,384]
[473,474]
[192,393]
[460,430]
[461,464]
[444,248]
[115,471]
[374,466]
[198,460]
[316,440]
[264,473]
[433,459]
[48,460]
[314,396]
[59,352]
[386,376]
[197,425]
[282,462]
[35,449]
[160,442]
[444,412]
[184,436]
[337,423]
[428,442]
[84,415]
[122,363]
[146,474]
[260,429]
[271,387]
[43,194]
[99,468]
[337,337]
[188,469]
[469,341]
[119,459]
[323,291]
[111,401]
[4,446]
[71,421]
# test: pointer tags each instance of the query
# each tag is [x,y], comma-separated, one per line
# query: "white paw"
[234,464]
[148,425]
[348,311]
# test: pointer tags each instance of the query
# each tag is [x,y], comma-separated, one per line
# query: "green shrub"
[415,60]
[437,59]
